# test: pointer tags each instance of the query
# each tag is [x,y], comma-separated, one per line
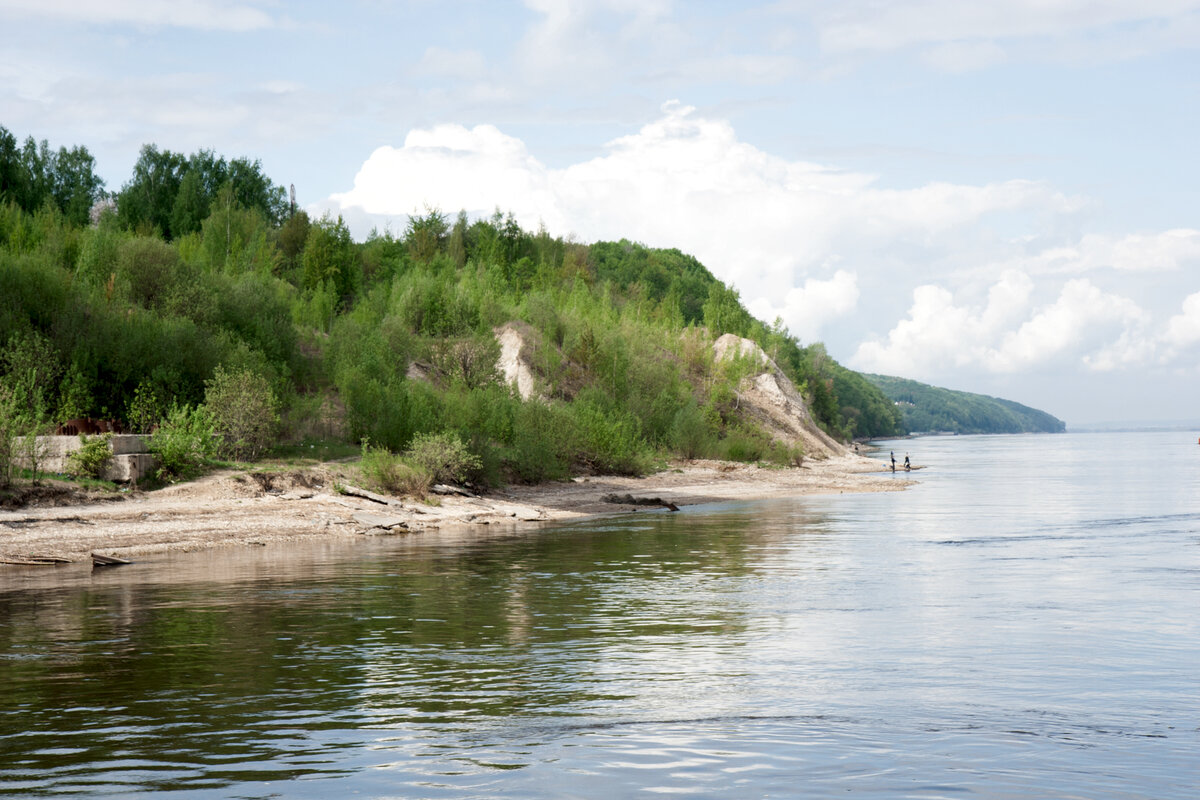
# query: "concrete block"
[130,467]
[130,460]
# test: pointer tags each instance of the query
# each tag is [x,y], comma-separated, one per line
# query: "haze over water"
[1024,623]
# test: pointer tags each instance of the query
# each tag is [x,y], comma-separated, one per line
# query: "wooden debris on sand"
[385,521]
[446,489]
[100,560]
[355,491]
[630,500]
[34,561]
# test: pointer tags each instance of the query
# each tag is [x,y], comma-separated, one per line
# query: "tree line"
[932,409]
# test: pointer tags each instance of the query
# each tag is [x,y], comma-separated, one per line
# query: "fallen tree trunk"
[630,500]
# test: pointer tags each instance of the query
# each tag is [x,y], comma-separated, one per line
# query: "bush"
[386,472]
[690,435]
[244,412]
[444,456]
[184,443]
[10,425]
[91,459]
[148,407]
[788,455]
[745,444]
[607,442]
[540,438]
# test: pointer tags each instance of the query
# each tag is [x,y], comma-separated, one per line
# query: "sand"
[273,506]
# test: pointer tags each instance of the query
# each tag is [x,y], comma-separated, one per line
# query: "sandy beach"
[269,507]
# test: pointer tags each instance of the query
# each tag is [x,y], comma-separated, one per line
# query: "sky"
[998,197]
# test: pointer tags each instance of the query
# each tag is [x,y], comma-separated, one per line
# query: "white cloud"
[1183,329]
[200,14]
[783,231]
[1084,326]
[452,167]
[806,309]
[1166,251]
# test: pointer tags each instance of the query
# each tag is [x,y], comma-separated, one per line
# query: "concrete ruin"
[131,460]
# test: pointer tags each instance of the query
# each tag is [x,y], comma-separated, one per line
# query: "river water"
[1025,623]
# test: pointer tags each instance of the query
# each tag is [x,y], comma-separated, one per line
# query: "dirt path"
[262,508]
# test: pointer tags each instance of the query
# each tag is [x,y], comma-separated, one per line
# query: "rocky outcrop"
[514,339]
[771,400]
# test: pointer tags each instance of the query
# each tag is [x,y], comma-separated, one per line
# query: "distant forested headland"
[197,300]
[930,409]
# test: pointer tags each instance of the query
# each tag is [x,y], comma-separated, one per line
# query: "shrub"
[244,412]
[444,456]
[92,457]
[20,428]
[148,407]
[690,435]
[469,362]
[745,444]
[539,441]
[386,472]
[607,442]
[10,425]
[184,443]
[788,455]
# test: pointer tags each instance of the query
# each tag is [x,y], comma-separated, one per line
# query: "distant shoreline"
[241,509]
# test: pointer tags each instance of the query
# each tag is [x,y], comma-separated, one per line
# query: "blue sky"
[999,197]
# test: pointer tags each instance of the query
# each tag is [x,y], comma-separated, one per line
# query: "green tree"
[330,256]
[74,185]
[191,204]
[723,311]
[147,200]
[425,236]
[244,412]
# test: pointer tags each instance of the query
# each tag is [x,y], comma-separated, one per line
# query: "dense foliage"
[929,409]
[32,176]
[200,303]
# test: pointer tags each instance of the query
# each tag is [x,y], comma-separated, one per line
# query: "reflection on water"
[1023,623]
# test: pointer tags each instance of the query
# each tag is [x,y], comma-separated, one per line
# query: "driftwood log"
[354,491]
[34,561]
[630,500]
[99,560]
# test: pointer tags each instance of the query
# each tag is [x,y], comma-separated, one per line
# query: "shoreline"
[236,508]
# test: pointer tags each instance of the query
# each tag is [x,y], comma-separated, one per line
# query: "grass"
[310,451]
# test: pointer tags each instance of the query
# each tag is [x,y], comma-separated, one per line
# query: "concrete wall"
[130,461]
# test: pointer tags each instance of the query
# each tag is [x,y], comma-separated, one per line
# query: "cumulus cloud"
[200,14]
[1183,329]
[1084,326]
[784,232]
[811,306]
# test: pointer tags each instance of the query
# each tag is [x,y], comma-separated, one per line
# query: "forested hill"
[929,409]
[195,284]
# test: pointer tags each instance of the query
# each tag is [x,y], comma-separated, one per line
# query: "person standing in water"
[893,461]
[907,464]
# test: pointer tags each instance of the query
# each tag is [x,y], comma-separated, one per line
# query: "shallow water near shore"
[1023,623]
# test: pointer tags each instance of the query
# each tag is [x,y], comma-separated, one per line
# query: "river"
[1024,623]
